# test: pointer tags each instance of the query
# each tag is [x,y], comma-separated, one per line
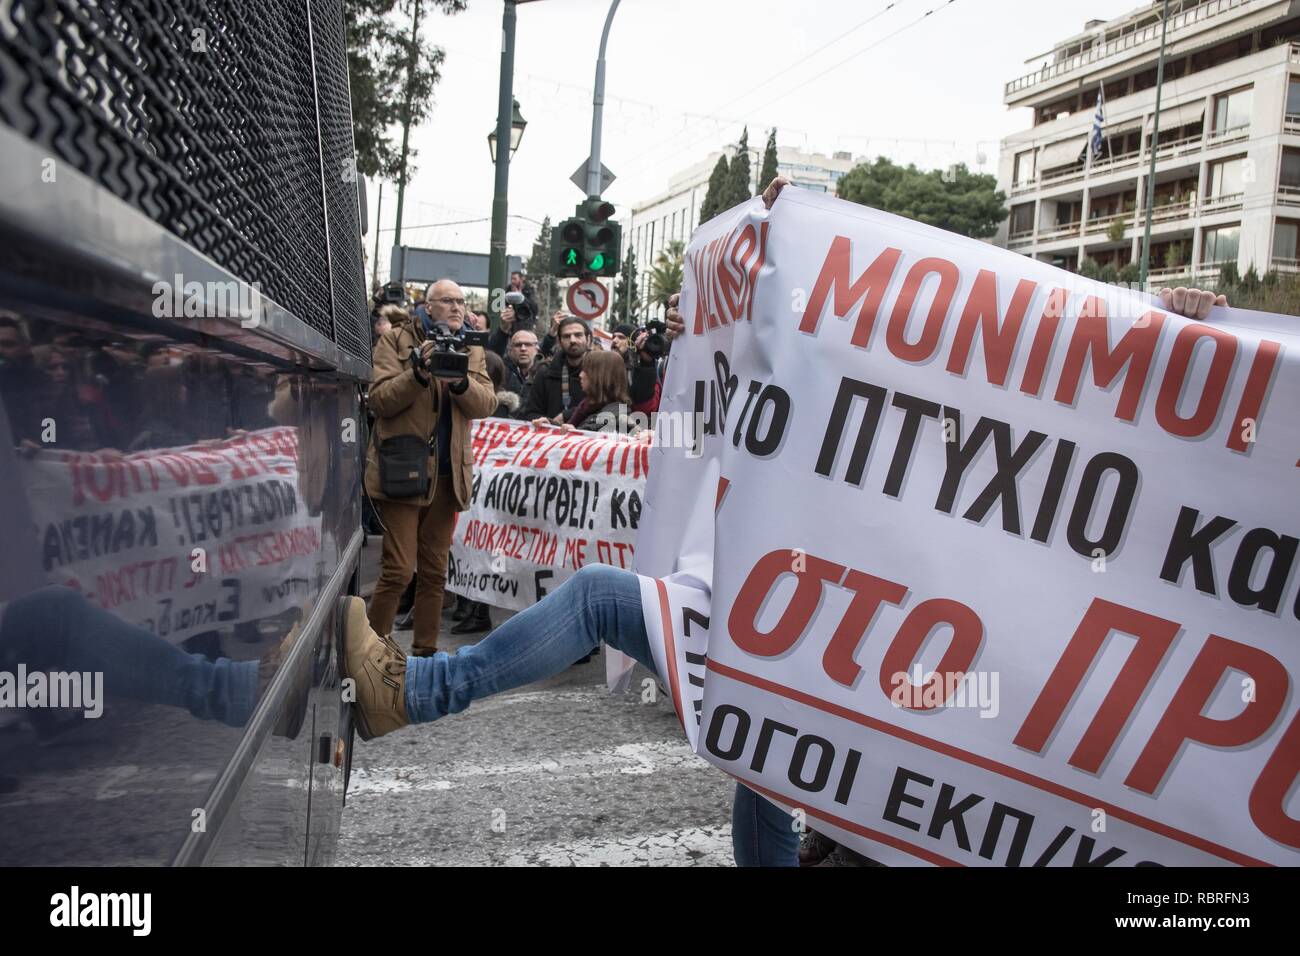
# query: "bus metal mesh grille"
[202,114]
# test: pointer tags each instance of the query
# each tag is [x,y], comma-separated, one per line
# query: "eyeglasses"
[450,302]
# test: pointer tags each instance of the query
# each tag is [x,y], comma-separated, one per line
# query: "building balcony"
[1219,137]
[1224,203]
[1179,147]
[1291,122]
[1285,266]
[1128,45]
[1172,275]
[1055,177]
[1167,212]
[1062,230]
[1136,161]
[1104,223]
[1288,195]
[1116,163]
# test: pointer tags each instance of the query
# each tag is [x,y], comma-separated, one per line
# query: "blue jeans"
[599,603]
[56,628]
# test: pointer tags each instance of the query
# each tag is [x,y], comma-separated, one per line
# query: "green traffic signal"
[587,244]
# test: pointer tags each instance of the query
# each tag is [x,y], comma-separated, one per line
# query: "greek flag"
[1098,120]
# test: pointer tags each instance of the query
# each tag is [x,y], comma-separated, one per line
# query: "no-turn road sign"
[588,299]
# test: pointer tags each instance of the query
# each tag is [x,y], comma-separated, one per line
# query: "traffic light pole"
[500,206]
[597,110]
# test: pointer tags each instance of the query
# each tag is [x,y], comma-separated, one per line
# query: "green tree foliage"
[540,275]
[738,175]
[666,273]
[1271,292]
[625,285]
[768,172]
[955,199]
[715,194]
[383,66]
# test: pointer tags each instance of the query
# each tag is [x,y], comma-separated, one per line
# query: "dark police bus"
[184,340]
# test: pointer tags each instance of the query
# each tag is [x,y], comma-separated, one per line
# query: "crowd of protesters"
[556,373]
[545,368]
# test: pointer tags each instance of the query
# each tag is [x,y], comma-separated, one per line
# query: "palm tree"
[666,273]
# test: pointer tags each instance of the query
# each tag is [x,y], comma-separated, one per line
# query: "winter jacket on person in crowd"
[402,405]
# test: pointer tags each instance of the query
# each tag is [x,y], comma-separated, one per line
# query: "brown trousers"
[416,537]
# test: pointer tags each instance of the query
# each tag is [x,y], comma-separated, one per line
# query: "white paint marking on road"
[637,759]
[694,846]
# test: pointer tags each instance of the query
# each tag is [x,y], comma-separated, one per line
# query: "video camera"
[450,356]
[393,293]
[656,342]
[525,317]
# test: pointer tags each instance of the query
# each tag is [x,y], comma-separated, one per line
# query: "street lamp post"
[500,206]
[517,124]
[597,109]
[406,118]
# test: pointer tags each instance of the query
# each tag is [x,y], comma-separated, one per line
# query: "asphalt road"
[559,773]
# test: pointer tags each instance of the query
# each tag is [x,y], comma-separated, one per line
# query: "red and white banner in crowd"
[978,562]
[545,502]
[179,540]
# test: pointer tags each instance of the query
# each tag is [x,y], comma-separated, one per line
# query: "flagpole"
[1087,169]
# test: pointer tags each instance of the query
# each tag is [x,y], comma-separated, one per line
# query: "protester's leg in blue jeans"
[599,603]
[762,834]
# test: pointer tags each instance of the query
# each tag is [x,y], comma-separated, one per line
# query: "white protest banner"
[545,502]
[980,563]
[179,540]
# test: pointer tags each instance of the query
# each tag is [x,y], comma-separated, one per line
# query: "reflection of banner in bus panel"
[179,540]
[982,563]
[544,503]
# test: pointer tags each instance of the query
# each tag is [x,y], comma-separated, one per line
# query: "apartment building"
[1227,148]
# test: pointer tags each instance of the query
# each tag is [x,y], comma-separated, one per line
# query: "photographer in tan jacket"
[419,465]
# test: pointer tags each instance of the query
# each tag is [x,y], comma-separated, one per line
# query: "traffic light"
[600,252]
[588,243]
[567,248]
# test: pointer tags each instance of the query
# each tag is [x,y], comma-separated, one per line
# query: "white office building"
[674,213]
[1227,150]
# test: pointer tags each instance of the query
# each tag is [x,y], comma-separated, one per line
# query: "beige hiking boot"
[378,667]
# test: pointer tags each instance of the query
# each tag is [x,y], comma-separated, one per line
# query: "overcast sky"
[683,78]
